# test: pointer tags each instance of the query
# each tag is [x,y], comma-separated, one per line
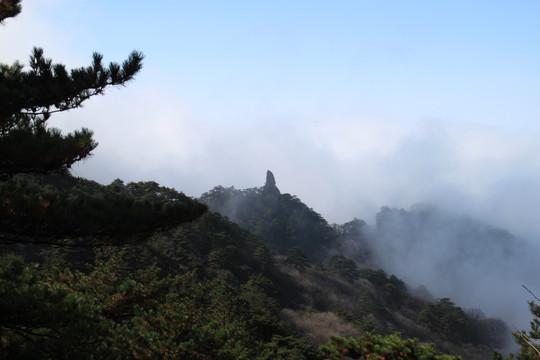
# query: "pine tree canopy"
[40,202]
[28,97]
[9,8]
[64,210]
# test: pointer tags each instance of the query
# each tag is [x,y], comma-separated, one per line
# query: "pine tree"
[297,257]
[343,267]
[29,97]
[378,347]
[9,8]
[530,349]
[39,201]
[528,340]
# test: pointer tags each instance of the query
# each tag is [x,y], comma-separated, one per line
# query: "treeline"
[216,299]
[386,305]
[140,271]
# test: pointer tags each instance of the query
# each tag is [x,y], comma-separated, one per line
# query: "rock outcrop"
[270,188]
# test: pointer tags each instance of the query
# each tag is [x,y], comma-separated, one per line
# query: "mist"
[353,107]
[475,264]
[343,168]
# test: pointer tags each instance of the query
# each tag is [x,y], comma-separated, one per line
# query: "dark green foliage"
[39,201]
[213,273]
[377,304]
[263,260]
[206,290]
[352,228]
[368,307]
[282,219]
[351,237]
[61,209]
[115,312]
[289,348]
[286,222]
[9,8]
[214,248]
[297,257]
[378,278]
[369,303]
[393,288]
[498,356]
[378,347]
[28,98]
[209,244]
[446,318]
[40,150]
[132,310]
[40,317]
[528,340]
[452,323]
[262,308]
[343,267]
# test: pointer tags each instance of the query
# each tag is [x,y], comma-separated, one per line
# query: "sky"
[353,105]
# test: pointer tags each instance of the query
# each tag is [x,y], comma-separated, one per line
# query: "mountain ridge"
[453,256]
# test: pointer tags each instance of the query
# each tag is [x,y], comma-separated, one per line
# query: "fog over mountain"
[478,265]
[354,106]
[455,256]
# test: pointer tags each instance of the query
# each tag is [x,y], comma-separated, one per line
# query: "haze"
[353,104]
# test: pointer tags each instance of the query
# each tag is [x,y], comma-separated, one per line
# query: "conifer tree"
[39,201]
[9,8]
[343,267]
[29,97]
[530,349]
[297,257]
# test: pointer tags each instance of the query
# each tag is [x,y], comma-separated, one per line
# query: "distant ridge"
[282,219]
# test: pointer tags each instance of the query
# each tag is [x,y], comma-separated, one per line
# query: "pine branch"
[9,8]
[531,293]
[47,85]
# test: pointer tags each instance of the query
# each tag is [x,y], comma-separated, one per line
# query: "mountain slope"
[284,221]
[476,264]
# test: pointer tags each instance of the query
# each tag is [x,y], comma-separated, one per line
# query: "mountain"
[282,219]
[451,256]
[474,263]
[455,256]
[260,275]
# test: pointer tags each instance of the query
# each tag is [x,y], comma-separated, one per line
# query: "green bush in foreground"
[372,346]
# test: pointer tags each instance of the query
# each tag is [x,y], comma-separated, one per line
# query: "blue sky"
[352,104]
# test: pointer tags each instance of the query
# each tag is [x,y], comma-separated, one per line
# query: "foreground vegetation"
[140,271]
[211,290]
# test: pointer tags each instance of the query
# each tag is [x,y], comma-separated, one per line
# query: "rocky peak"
[270,179]
[270,187]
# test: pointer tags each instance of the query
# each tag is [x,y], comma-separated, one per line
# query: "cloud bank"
[455,256]
[336,132]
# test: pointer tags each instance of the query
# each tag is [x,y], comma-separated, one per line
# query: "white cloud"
[343,163]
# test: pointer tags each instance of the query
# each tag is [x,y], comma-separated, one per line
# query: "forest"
[142,271]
